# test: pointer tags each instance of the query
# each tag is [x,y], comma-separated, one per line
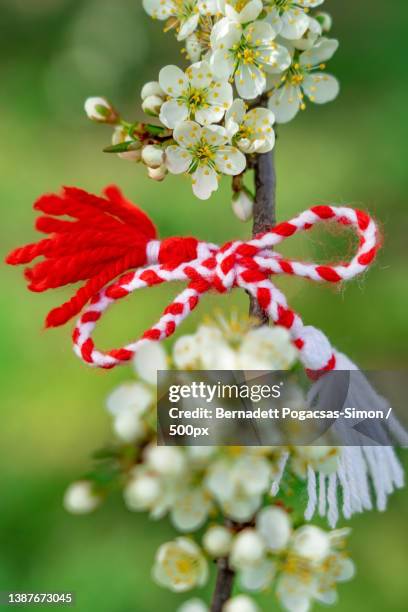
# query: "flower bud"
[240,603]
[193,605]
[152,105]
[100,110]
[153,156]
[325,20]
[142,492]
[311,542]
[80,498]
[274,526]
[194,48]
[120,135]
[128,426]
[152,89]
[243,205]
[247,549]
[165,460]
[157,174]
[217,541]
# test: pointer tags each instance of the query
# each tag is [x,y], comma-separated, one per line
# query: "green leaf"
[123,147]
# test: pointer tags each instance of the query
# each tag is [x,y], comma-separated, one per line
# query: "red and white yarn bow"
[110,236]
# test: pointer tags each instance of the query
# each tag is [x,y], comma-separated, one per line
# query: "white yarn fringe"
[366,475]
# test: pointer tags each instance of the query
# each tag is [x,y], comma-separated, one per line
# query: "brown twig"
[264,219]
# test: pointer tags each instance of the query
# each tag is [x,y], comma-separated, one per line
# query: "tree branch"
[264,210]
[224,584]
[264,220]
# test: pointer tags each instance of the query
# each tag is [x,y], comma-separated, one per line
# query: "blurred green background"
[54,53]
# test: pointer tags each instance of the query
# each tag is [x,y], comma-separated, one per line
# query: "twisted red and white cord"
[247,265]
[206,267]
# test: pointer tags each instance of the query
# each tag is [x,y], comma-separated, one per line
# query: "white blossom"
[242,11]
[309,38]
[186,353]
[204,153]
[311,543]
[194,48]
[251,131]
[248,549]
[144,490]
[305,77]
[247,54]
[195,94]
[185,12]
[238,484]
[275,527]
[180,565]
[267,348]
[165,460]
[150,358]
[193,605]
[190,510]
[240,603]
[217,541]
[134,395]
[323,459]
[80,498]
[259,576]
[128,426]
[290,18]
[128,405]
[310,572]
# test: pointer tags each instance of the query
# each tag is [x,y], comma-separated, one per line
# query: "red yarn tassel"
[107,236]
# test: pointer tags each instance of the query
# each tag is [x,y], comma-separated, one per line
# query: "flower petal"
[215,135]
[173,112]
[220,94]
[188,26]
[207,7]
[200,75]
[294,23]
[249,12]
[172,80]
[236,112]
[259,576]
[158,9]
[222,63]
[205,182]
[212,114]
[148,360]
[225,34]
[321,87]
[230,161]
[285,103]
[187,133]
[277,59]
[177,159]
[322,51]
[250,82]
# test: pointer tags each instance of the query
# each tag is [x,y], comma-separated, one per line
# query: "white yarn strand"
[312,493]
